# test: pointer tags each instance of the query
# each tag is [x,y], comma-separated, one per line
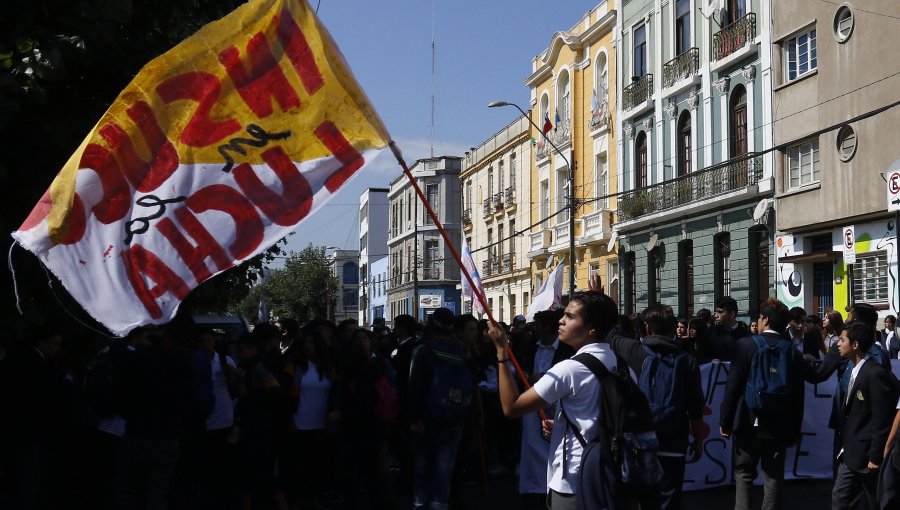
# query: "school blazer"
[867,416]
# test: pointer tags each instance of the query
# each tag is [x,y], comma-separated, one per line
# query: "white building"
[373,234]
[345,268]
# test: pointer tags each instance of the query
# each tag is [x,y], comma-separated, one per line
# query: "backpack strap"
[600,371]
[760,342]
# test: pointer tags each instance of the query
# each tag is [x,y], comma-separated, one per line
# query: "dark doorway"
[823,293]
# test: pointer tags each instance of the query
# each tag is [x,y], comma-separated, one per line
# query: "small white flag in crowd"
[467,289]
[549,297]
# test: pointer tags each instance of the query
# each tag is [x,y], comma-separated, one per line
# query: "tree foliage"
[303,290]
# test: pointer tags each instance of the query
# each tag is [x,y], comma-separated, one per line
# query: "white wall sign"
[848,242]
[430,300]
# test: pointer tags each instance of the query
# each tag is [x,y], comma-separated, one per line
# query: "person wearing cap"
[441,389]
[721,339]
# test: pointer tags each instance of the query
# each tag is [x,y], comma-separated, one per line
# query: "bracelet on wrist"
[504,360]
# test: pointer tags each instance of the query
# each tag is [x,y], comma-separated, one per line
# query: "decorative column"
[692,102]
[722,86]
[672,114]
[749,74]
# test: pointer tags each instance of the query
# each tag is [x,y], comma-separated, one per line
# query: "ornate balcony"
[595,226]
[683,66]
[467,216]
[486,206]
[508,262]
[734,37]
[543,149]
[600,116]
[540,241]
[431,273]
[560,236]
[561,134]
[485,268]
[639,92]
[509,196]
[710,182]
[497,201]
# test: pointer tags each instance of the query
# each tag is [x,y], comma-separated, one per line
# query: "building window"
[736,10]
[654,276]
[846,143]
[640,51]
[686,278]
[800,54]
[640,154]
[490,184]
[684,144]
[612,281]
[512,305]
[512,170]
[738,122]
[512,238]
[545,199]
[601,180]
[350,274]
[500,176]
[870,278]
[682,26]
[431,255]
[843,23]
[803,164]
[469,195]
[562,193]
[431,194]
[722,264]
[629,293]
[563,99]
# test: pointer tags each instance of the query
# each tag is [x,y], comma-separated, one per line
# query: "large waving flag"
[469,266]
[549,296]
[215,150]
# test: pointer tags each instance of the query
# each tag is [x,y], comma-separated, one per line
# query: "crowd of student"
[336,416]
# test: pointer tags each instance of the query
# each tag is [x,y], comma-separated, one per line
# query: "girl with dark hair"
[832,325]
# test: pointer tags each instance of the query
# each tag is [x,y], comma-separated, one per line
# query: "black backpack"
[621,462]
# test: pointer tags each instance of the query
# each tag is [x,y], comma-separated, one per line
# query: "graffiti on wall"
[790,279]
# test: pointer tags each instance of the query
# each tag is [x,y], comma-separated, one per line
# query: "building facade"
[494,177]
[694,120]
[423,274]
[344,266]
[831,171]
[373,232]
[574,90]
[376,290]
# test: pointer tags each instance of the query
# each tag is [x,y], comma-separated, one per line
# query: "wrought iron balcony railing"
[508,263]
[683,66]
[600,116]
[467,216]
[485,268]
[638,92]
[543,149]
[561,133]
[707,183]
[498,201]
[509,196]
[734,37]
[486,206]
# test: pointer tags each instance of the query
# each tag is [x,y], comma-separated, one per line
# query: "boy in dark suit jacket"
[866,420]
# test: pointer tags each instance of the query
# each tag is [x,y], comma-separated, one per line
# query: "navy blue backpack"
[769,389]
[662,377]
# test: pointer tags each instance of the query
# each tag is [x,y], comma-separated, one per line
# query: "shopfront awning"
[811,258]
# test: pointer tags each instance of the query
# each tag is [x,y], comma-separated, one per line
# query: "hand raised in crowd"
[595,283]
[498,337]
[547,427]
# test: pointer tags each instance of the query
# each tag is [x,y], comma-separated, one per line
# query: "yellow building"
[573,87]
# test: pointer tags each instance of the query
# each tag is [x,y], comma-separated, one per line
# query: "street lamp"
[571,198]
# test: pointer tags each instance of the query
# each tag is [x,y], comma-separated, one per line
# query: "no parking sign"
[848,240]
[893,189]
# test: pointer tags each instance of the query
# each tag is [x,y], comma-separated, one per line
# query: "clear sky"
[483,52]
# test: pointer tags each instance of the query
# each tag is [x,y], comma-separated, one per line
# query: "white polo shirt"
[574,384]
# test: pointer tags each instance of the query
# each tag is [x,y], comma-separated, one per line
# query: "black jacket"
[738,417]
[720,343]
[562,352]
[867,417]
[632,351]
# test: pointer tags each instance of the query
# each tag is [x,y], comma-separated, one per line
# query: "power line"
[863,10]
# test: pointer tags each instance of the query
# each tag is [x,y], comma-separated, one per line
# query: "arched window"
[563,95]
[738,121]
[640,160]
[545,110]
[350,274]
[601,79]
[684,164]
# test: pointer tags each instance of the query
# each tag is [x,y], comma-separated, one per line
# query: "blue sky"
[483,53]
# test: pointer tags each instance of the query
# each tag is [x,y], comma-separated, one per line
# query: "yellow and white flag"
[215,150]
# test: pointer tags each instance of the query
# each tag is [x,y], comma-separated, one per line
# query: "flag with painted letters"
[216,150]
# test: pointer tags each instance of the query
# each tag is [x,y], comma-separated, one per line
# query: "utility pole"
[416,261]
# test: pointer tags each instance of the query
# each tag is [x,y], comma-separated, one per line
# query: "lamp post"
[570,198]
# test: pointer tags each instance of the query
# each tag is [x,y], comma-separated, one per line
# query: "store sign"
[430,301]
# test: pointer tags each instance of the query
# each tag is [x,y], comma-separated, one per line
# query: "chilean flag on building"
[547,124]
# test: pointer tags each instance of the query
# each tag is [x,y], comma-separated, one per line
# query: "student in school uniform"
[866,420]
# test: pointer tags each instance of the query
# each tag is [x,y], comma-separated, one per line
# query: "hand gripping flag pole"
[456,257]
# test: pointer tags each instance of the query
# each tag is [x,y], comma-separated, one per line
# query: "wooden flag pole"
[458,260]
